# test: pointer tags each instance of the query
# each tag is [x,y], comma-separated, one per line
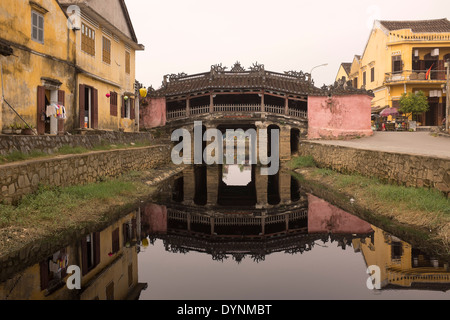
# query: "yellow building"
[38,63]
[108,262]
[106,46]
[401,265]
[344,71]
[402,57]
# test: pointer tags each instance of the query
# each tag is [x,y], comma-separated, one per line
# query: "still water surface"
[228,233]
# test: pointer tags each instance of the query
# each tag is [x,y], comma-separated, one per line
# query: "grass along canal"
[421,215]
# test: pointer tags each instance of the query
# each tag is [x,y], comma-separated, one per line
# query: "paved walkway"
[419,143]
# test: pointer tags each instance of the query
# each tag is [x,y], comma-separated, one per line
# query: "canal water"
[228,233]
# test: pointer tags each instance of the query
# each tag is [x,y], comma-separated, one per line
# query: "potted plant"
[7,130]
[28,130]
[17,128]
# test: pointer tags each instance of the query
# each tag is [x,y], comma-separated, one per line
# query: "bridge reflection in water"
[230,213]
[269,215]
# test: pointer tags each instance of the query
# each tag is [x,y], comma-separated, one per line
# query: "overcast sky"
[191,35]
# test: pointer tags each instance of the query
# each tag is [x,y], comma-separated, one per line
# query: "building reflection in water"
[108,260]
[403,266]
[252,218]
[227,212]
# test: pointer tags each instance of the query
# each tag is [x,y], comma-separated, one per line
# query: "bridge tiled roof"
[238,78]
[257,78]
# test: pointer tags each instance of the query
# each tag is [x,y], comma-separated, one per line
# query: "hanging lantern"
[125,98]
[143,92]
[108,95]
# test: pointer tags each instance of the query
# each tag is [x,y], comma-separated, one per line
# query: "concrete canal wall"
[21,178]
[399,168]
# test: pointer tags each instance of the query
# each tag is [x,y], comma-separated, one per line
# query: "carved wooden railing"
[176,114]
[199,110]
[236,108]
[237,220]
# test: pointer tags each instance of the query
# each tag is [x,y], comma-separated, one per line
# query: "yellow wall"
[354,71]
[341,73]
[32,60]
[378,54]
[111,268]
[374,56]
[27,284]
[379,253]
[107,77]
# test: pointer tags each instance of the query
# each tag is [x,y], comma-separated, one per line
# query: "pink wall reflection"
[154,219]
[326,218]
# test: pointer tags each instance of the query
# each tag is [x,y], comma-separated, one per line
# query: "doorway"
[47,122]
[88,112]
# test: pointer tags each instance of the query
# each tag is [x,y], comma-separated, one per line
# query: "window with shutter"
[397,64]
[130,275]
[113,104]
[41,110]
[37,27]
[87,39]
[110,291]
[90,252]
[127,62]
[106,50]
[115,241]
[132,111]
[372,74]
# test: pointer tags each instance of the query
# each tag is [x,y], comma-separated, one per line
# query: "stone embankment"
[22,178]
[398,168]
[50,144]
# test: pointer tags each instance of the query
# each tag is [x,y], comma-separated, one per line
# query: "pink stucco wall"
[339,116]
[326,218]
[153,114]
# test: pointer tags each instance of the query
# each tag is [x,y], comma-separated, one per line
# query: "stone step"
[426,128]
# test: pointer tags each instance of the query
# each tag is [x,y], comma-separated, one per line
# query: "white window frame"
[37,27]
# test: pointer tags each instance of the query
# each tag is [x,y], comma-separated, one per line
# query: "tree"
[414,103]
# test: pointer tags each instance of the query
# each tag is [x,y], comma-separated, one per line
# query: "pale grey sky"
[191,35]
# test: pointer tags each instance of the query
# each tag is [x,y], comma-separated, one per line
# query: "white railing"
[237,108]
[275,219]
[302,214]
[298,113]
[408,35]
[200,219]
[274,109]
[237,221]
[176,215]
[199,110]
[175,114]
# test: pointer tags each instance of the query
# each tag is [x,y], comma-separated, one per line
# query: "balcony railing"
[409,36]
[416,75]
[236,108]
